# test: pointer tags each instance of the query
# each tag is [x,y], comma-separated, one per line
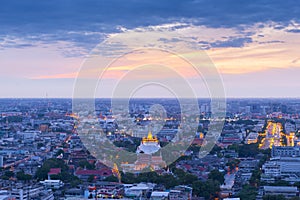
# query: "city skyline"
[149,100]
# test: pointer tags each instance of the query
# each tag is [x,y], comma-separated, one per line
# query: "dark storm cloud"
[105,15]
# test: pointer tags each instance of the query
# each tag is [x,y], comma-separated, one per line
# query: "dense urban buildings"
[257,154]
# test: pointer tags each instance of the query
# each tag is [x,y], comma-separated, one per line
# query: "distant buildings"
[32,131]
[181,192]
[251,138]
[286,151]
[141,190]
[144,161]
[103,190]
[159,195]
[35,191]
[289,127]
[53,171]
[286,191]
[101,174]
[284,168]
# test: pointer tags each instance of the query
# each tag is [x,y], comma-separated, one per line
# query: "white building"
[181,192]
[251,138]
[286,151]
[281,190]
[286,168]
[30,192]
[53,184]
[271,169]
[138,190]
[4,195]
[158,195]
[289,127]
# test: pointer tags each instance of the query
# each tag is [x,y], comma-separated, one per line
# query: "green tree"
[128,178]
[179,173]
[168,181]
[9,174]
[212,188]
[39,145]
[23,177]
[111,179]
[188,179]
[297,184]
[280,183]
[295,198]
[129,146]
[42,172]
[248,192]
[4,177]
[274,197]
[85,164]
[255,178]
[215,149]
[91,178]
[198,187]
[248,150]
[183,177]
[60,151]
[234,147]
[74,181]
[208,189]
[216,176]
[233,163]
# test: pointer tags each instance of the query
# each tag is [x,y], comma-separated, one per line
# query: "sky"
[252,44]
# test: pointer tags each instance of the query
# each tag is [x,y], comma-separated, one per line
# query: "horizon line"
[150,98]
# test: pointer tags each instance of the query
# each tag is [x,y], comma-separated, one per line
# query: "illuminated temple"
[149,144]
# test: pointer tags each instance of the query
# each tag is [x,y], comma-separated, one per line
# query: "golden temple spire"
[150,136]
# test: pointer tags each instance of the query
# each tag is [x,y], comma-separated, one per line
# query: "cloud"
[84,22]
[232,42]
[49,39]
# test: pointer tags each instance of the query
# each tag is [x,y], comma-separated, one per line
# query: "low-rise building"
[285,168]
[158,195]
[139,190]
[101,174]
[29,192]
[53,184]
[251,138]
[286,191]
[286,151]
[181,192]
